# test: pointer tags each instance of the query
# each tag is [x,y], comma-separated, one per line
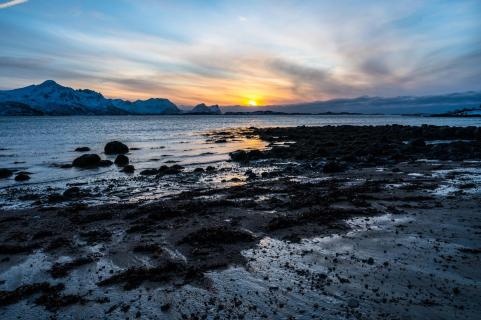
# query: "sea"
[39,145]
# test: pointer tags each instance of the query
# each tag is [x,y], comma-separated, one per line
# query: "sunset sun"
[252,103]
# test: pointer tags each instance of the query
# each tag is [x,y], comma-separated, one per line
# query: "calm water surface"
[36,144]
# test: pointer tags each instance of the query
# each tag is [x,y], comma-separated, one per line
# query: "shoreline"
[307,236]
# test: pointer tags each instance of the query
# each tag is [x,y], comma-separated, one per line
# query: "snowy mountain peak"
[51,98]
[49,84]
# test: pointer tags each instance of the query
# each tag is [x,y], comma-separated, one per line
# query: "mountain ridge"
[429,104]
[51,98]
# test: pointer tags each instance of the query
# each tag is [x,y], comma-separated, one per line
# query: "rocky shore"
[326,222]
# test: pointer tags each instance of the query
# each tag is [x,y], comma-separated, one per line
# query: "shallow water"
[37,144]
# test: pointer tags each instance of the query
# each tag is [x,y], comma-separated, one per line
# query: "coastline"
[383,219]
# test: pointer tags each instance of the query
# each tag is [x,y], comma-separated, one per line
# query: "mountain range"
[51,98]
[433,104]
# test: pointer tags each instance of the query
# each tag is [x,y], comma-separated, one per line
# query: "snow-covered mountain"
[150,106]
[50,98]
[204,109]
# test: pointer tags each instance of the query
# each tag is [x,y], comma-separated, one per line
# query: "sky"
[243,52]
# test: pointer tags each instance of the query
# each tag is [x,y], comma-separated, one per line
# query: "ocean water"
[37,144]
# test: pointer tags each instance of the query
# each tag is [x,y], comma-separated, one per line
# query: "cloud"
[11,3]
[310,82]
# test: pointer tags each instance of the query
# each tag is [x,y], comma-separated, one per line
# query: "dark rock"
[199,170]
[165,170]
[60,270]
[116,147]
[418,143]
[353,303]
[87,161]
[149,172]
[5,173]
[121,160]
[128,169]
[105,163]
[210,169]
[333,167]
[22,177]
[82,149]
[218,234]
[239,155]
[72,192]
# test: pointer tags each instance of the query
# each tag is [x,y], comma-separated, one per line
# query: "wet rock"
[133,277]
[87,161]
[333,167]
[199,170]
[246,156]
[353,303]
[82,149]
[60,270]
[149,172]
[219,234]
[418,143]
[128,169]
[25,291]
[16,248]
[5,173]
[175,169]
[239,155]
[210,169]
[96,236]
[121,160]
[105,163]
[22,177]
[72,192]
[148,248]
[116,147]
[250,175]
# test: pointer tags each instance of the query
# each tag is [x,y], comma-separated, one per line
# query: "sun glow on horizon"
[252,103]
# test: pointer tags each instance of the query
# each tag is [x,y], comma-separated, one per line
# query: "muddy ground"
[365,229]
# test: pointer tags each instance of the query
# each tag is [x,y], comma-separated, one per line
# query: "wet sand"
[361,238]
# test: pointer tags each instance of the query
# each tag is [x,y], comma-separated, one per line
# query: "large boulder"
[121,160]
[87,161]
[128,169]
[105,163]
[116,147]
[21,176]
[164,170]
[5,173]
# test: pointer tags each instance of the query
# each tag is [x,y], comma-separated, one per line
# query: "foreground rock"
[21,176]
[369,145]
[5,173]
[116,147]
[87,161]
[128,169]
[121,160]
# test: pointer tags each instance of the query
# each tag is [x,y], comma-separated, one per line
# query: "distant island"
[51,98]
[462,113]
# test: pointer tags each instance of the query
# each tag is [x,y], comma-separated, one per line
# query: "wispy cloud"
[11,3]
[274,52]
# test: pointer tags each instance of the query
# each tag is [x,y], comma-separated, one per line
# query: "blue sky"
[241,52]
